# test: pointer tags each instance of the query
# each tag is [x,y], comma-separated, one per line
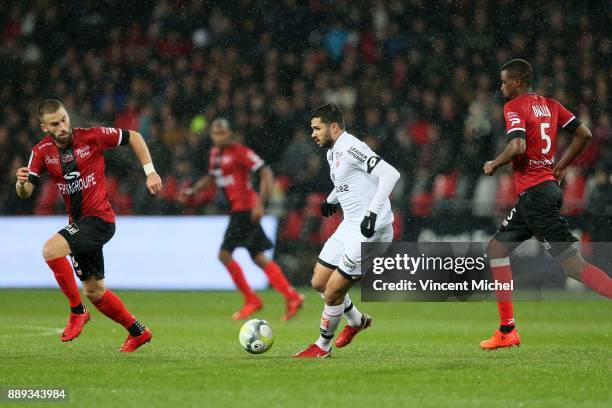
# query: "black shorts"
[86,237]
[242,232]
[538,213]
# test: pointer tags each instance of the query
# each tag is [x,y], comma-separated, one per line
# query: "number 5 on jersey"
[543,128]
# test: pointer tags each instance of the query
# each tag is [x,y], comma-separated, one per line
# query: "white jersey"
[350,163]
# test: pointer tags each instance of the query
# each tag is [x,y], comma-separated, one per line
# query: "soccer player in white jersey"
[362,184]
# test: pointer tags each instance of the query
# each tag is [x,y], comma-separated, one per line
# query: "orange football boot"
[501,340]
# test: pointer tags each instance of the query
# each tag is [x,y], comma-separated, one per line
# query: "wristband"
[148,168]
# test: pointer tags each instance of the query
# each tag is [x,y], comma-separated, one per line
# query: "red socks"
[64,276]
[597,280]
[278,281]
[501,271]
[113,307]
[237,275]
[273,272]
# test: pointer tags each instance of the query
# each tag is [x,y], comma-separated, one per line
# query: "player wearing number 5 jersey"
[362,185]
[532,122]
[72,157]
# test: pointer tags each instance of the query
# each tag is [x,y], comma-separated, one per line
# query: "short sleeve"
[36,165]
[250,160]
[109,138]
[363,157]
[515,122]
[567,120]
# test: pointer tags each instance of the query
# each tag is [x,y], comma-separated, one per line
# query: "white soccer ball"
[256,336]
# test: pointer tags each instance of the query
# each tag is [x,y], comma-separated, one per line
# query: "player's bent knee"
[318,284]
[260,259]
[93,292]
[55,247]
[573,266]
[496,250]
[225,257]
[333,296]
[50,252]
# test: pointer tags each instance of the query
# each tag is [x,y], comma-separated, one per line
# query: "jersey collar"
[336,142]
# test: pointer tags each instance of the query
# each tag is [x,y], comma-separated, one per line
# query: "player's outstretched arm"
[582,136]
[23,187]
[515,147]
[154,183]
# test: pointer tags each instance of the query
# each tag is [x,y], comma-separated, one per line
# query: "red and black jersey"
[78,169]
[536,119]
[231,167]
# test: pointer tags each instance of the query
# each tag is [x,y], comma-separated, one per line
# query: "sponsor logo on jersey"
[72,175]
[79,184]
[513,118]
[67,157]
[42,146]
[51,160]
[541,163]
[83,152]
[372,162]
[359,156]
[226,160]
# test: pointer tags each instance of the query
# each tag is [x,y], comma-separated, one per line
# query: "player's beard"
[63,140]
[326,142]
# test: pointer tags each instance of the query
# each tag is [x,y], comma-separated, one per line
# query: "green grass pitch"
[415,354]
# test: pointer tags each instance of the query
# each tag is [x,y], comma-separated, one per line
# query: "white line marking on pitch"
[37,331]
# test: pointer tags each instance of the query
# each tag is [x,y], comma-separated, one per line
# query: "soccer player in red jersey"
[73,158]
[230,166]
[532,122]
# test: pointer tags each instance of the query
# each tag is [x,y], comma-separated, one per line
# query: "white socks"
[330,319]
[352,314]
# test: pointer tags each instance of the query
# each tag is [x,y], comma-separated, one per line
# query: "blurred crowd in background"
[417,80]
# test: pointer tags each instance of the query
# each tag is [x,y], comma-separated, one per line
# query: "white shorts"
[342,250]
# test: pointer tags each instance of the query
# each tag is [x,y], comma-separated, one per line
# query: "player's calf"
[577,268]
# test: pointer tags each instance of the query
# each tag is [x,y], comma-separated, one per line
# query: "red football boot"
[133,342]
[250,307]
[313,351]
[347,334]
[293,305]
[75,325]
